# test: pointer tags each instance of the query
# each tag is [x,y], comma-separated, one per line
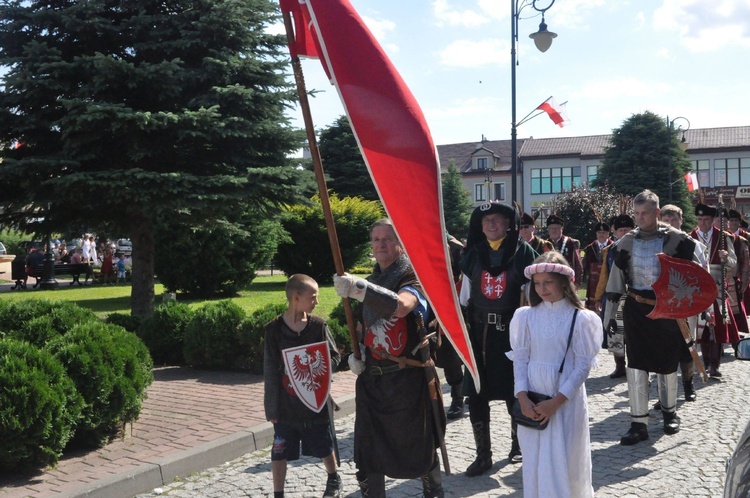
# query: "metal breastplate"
[645,264]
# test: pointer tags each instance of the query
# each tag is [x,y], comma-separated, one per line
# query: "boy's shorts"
[316,440]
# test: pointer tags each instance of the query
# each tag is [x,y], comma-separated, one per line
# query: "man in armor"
[493,266]
[567,246]
[397,428]
[593,258]
[651,345]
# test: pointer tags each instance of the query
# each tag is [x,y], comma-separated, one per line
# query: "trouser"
[638,393]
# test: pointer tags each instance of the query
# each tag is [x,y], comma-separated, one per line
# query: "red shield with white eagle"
[493,287]
[309,371]
[389,335]
[683,289]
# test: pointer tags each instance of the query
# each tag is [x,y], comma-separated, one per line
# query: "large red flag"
[398,149]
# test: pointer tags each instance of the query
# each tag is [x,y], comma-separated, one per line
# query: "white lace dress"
[557,460]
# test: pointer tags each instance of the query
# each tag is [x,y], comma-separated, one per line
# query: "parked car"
[737,482]
[125,246]
[3,251]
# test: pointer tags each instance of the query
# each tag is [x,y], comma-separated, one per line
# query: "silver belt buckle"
[492,318]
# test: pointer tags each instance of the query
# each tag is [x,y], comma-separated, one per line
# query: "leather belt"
[641,299]
[376,370]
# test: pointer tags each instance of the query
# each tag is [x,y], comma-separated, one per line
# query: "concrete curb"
[152,475]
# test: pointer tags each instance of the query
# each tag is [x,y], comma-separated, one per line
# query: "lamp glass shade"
[543,38]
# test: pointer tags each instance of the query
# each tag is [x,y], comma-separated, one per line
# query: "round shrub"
[163,332]
[38,321]
[212,336]
[111,369]
[252,336]
[39,406]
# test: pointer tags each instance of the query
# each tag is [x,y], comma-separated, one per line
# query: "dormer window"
[480,163]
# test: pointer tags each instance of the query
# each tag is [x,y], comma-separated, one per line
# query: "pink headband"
[550,268]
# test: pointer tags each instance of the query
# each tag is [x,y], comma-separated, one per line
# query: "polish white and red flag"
[556,112]
[692,181]
[396,145]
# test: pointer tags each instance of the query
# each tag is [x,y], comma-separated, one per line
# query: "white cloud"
[379,27]
[450,16]
[464,107]
[706,26]
[468,53]
[571,14]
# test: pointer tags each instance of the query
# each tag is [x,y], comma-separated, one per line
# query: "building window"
[703,170]
[479,192]
[499,192]
[731,172]
[480,163]
[554,180]
[592,172]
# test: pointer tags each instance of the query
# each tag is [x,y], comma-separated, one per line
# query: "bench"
[73,269]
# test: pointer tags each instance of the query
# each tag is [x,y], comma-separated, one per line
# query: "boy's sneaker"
[333,487]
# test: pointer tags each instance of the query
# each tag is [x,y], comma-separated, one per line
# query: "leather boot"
[483,462]
[671,423]
[687,385]
[515,455]
[638,432]
[371,485]
[619,368]
[456,410]
[432,482]
[333,486]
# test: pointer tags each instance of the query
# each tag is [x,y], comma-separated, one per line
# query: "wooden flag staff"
[320,177]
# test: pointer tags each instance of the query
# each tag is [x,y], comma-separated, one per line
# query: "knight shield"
[683,289]
[309,370]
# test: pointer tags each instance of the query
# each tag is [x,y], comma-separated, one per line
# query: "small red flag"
[556,112]
[692,181]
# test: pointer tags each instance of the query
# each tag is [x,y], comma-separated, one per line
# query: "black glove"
[612,326]
[613,297]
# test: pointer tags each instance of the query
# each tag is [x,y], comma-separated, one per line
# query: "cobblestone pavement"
[690,463]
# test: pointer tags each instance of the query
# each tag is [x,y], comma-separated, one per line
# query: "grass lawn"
[107,299]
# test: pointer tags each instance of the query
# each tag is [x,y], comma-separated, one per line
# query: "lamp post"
[683,146]
[488,182]
[542,40]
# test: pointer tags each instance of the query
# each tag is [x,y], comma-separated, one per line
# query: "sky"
[611,59]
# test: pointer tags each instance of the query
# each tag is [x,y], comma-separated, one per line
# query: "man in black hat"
[567,246]
[721,260]
[615,340]
[593,257]
[742,271]
[652,345]
[528,226]
[493,266]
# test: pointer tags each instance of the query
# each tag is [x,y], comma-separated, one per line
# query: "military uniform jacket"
[592,266]
[568,247]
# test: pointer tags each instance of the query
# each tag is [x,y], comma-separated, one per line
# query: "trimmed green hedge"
[39,406]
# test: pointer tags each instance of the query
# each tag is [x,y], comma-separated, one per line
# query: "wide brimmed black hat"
[601,227]
[623,221]
[735,215]
[527,219]
[553,219]
[704,210]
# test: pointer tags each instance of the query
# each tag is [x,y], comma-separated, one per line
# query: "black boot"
[456,409]
[483,462]
[619,368]
[432,482]
[671,423]
[638,432]
[687,385]
[333,486]
[515,449]
[371,485]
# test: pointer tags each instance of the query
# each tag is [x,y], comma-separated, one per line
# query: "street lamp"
[683,146]
[488,182]
[542,39]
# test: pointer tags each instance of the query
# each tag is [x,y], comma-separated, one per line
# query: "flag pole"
[320,177]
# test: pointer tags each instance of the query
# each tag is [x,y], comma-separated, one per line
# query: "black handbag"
[536,398]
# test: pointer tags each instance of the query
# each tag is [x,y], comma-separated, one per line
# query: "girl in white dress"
[556,460]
